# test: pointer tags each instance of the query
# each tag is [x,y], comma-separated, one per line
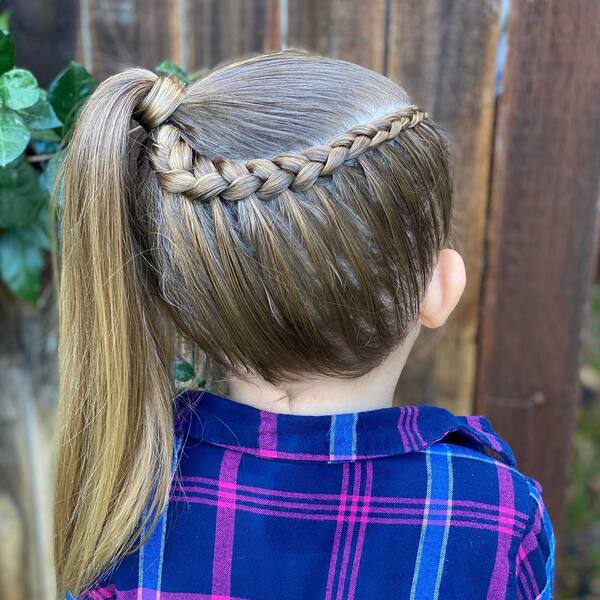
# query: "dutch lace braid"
[181,171]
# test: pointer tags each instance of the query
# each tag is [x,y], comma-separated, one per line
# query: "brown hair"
[284,213]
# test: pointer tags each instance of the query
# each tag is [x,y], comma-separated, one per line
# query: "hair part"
[286,219]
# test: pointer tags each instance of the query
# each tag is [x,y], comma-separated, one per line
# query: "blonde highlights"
[283,214]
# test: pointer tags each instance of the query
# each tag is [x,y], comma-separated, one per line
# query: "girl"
[290,216]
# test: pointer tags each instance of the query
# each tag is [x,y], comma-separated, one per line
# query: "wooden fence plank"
[443,54]
[46,33]
[28,383]
[352,30]
[222,30]
[127,33]
[543,206]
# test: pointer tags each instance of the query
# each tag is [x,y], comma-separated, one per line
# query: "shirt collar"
[217,420]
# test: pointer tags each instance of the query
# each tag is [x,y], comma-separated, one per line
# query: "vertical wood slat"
[352,30]
[126,33]
[117,34]
[541,228]
[46,34]
[223,30]
[443,54]
[28,382]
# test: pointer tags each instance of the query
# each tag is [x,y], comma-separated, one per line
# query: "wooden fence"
[526,165]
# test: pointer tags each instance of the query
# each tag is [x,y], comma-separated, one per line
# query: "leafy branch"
[35,128]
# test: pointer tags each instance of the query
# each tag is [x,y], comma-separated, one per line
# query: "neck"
[326,395]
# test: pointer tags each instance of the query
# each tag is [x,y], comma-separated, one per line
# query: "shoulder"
[487,473]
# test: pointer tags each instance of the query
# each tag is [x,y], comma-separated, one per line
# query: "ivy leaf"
[21,195]
[41,115]
[168,67]
[19,89]
[69,91]
[4,19]
[14,137]
[48,177]
[21,263]
[7,50]
[37,233]
[182,370]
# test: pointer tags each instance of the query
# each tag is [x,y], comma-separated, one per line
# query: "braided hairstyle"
[284,213]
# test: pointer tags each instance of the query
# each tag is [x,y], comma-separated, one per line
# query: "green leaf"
[41,115]
[48,177]
[70,90]
[49,137]
[14,136]
[21,263]
[182,370]
[4,19]
[37,233]
[21,194]
[7,51]
[19,89]
[170,68]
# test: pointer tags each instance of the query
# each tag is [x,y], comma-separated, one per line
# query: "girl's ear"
[444,290]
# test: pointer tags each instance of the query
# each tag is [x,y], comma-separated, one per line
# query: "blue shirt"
[405,502]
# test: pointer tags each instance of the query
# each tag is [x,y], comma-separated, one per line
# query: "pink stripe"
[361,531]
[312,507]
[317,517]
[111,592]
[267,431]
[405,444]
[405,428]
[526,587]
[374,499]
[499,581]
[475,423]
[349,531]
[529,581]
[528,545]
[338,531]
[225,526]
[265,453]
[415,427]
[102,593]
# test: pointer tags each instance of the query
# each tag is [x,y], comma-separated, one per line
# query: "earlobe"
[444,290]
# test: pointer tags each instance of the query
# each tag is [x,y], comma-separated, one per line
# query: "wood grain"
[352,30]
[223,30]
[543,210]
[127,33]
[443,54]
[46,34]
[28,383]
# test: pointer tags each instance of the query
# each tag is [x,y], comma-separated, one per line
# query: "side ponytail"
[115,441]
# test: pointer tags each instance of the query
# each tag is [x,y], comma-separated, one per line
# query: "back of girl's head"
[284,213]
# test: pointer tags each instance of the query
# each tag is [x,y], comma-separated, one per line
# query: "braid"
[181,171]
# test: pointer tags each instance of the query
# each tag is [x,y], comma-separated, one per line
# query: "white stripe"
[449,495]
[476,456]
[413,589]
[354,422]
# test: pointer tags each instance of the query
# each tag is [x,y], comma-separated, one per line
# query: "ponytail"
[284,215]
[115,416]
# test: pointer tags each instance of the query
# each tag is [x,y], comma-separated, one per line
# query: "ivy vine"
[35,128]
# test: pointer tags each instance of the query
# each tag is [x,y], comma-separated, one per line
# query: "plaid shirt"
[405,502]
